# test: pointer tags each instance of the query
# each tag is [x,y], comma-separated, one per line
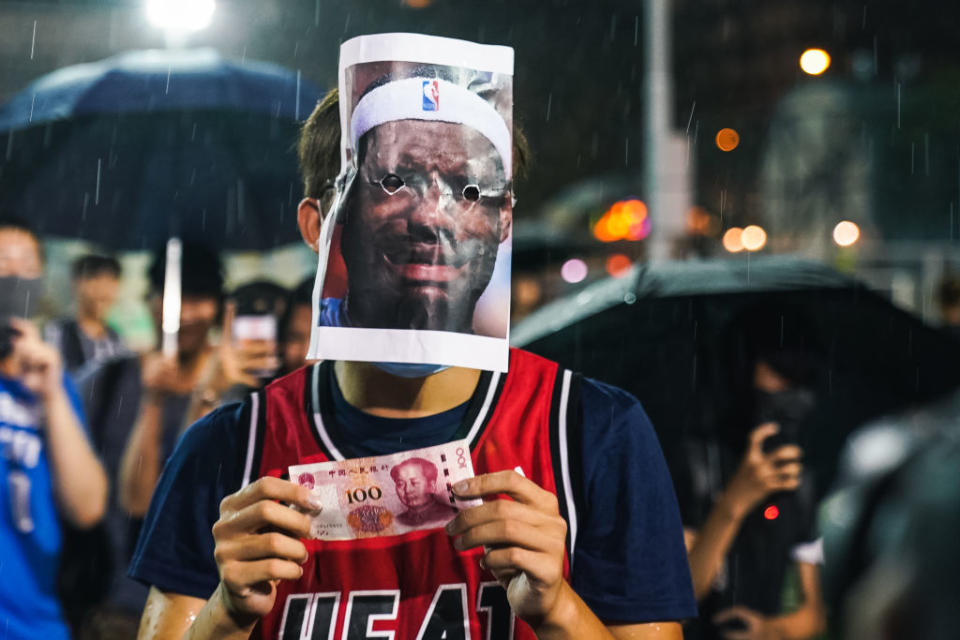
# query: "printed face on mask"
[429,209]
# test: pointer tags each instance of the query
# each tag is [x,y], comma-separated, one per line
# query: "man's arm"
[173,616]
[524,543]
[802,624]
[811,618]
[257,544]
[168,616]
[758,475]
[649,631]
[141,462]
[79,479]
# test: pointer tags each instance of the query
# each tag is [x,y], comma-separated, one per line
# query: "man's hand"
[761,474]
[257,544]
[160,374]
[756,626]
[523,540]
[241,360]
[37,364]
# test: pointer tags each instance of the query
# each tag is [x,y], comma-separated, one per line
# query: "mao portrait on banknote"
[387,495]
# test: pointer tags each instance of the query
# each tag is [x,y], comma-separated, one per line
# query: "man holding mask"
[589,544]
[48,467]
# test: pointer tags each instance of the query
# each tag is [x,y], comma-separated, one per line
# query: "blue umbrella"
[131,150]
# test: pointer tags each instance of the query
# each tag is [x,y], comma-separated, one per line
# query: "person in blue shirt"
[48,469]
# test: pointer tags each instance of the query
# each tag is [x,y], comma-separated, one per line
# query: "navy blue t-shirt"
[630,562]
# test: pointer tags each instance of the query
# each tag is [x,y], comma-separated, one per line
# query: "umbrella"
[663,333]
[134,149]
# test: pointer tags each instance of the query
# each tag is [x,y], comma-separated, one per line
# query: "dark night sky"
[579,64]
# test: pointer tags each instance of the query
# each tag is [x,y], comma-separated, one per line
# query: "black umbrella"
[134,149]
[664,333]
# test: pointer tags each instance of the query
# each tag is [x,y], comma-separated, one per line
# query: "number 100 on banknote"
[387,495]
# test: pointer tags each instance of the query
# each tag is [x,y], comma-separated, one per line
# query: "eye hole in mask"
[391,183]
[471,193]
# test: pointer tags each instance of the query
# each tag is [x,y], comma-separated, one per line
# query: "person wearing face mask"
[590,544]
[747,506]
[48,470]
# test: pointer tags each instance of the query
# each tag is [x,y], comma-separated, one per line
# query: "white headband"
[436,100]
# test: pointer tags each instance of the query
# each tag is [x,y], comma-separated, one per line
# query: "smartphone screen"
[255,327]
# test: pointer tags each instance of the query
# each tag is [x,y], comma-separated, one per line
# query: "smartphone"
[255,327]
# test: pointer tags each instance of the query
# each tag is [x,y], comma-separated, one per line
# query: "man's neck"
[378,393]
[91,326]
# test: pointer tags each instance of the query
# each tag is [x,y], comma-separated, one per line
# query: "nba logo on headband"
[431,95]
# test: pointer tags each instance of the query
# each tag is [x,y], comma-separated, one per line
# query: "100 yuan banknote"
[387,495]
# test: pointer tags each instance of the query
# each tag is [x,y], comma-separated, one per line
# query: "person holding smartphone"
[247,356]
[48,470]
[748,509]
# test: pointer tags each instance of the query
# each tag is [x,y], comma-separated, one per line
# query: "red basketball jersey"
[413,586]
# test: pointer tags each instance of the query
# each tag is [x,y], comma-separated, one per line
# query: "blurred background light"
[701,223]
[846,233]
[574,270]
[814,61]
[753,238]
[180,15]
[624,220]
[732,240]
[727,139]
[618,265]
[771,512]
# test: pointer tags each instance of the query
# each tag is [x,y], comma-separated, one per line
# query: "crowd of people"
[131,409]
[111,418]
[145,498]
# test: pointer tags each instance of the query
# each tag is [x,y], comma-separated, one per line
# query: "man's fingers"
[761,433]
[270,488]
[25,328]
[260,363]
[792,470]
[494,511]
[787,484]
[265,514]
[262,546]
[239,577]
[733,613]
[786,453]
[515,559]
[256,348]
[503,533]
[509,483]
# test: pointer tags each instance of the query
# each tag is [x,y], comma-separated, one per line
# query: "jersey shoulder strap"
[534,380]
